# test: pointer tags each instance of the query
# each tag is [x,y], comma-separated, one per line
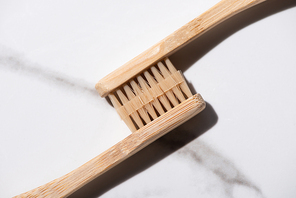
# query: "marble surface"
[52,120]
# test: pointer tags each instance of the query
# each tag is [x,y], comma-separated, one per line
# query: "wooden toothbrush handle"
[66,185]
[214,16]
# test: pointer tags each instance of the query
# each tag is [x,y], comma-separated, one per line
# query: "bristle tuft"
[153,95]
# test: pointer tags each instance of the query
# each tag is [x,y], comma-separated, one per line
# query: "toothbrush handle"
[214,16]
[69,183]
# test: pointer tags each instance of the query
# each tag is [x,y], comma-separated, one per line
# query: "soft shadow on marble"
[149,157]
[191,53]
[172,166]
[180,143]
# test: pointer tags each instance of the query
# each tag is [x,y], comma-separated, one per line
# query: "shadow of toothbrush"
[176,139]
[191,53]
[150,155]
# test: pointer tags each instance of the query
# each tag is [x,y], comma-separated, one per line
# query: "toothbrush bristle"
[147,96]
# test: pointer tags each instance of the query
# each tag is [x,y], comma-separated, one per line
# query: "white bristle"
[163,70]
[114,101]
[136,103]
[153,84]
[169,64]
[168,93]
[122,113]
[152,96]
[155,102]
[184,87]
[147,106]
[129,109]
[167,74]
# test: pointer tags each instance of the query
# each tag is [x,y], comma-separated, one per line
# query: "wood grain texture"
[66,185]
[214,16]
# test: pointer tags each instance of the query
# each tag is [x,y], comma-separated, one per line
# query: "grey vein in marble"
[14,62]
[198,152]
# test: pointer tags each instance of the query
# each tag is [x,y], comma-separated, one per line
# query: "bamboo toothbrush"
[150,96]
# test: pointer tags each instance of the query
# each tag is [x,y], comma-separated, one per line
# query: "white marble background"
[52,120]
